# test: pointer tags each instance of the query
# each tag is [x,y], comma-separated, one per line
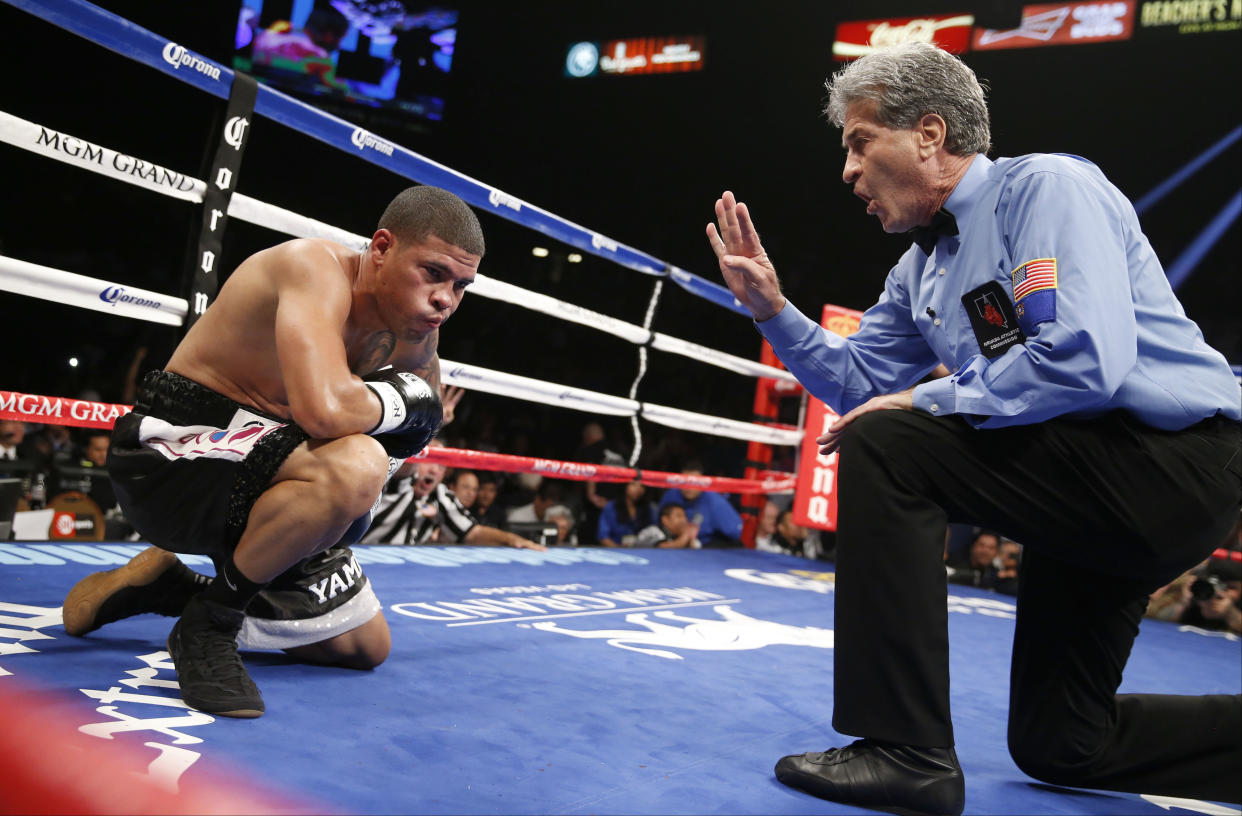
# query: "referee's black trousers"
[1108,510]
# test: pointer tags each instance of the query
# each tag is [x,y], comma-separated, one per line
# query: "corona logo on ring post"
[815,495]
[235,132]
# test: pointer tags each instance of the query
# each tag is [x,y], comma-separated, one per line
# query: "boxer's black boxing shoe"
[203,646]
[895,778]
[154,580]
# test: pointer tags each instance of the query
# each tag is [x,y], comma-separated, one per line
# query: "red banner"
[59,410]
[815,495]
[860,37]
[1063,24]
[652,55]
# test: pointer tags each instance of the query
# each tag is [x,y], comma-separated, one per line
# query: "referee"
[1084,416]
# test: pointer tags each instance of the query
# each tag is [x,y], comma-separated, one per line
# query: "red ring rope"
[88,414]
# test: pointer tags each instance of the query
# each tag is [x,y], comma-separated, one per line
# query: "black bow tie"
[942,223]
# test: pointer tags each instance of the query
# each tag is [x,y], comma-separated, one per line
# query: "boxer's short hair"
[422,211]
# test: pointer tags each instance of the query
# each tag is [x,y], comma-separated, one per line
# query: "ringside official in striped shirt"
[417,508]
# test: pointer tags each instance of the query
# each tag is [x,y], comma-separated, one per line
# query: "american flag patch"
[1033,276]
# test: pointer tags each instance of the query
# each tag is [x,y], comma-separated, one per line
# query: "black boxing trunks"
[188,464]
[323,596]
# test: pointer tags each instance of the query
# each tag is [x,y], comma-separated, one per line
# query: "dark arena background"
[639,158]
[584,680]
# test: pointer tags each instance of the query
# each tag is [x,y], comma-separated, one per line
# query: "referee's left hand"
[830,441]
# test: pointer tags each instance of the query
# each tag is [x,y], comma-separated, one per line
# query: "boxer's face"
[887,170]
[419,284]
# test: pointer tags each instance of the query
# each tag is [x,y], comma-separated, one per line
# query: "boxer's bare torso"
[295,325]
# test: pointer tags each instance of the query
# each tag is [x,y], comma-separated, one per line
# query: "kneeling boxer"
[273,428]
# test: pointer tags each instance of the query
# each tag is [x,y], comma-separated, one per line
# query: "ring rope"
[89,414]
[115,33]
[133,42]
[642,370]
[92,293]
[86,155]
[83,291]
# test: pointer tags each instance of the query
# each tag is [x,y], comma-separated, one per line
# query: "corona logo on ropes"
[176,56]
[603,242]
[362,139]
[499,199]
[116,294]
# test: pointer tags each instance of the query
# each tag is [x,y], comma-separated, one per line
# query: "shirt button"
[940,271]
[934,407]
[936,322]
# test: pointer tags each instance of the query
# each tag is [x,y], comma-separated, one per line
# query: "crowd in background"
[428,503]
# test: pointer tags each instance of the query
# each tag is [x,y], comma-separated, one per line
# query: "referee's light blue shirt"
[1110,335]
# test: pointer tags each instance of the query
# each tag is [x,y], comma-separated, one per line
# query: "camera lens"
[1204,589]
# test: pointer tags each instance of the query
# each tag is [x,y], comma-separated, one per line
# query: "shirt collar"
[965,195]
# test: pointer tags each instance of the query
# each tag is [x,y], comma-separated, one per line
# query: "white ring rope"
[87,155]
[85,292]
[59,286]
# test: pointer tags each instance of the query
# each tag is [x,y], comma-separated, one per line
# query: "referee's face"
[429,475]
[888,169]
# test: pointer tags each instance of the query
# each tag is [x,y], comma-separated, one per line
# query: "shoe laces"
[845,751]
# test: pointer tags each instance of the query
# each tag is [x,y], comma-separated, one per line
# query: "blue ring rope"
[129,40]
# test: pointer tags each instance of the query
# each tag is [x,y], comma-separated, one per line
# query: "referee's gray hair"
[911,80]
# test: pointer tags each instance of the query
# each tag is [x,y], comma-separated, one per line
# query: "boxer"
[266,440]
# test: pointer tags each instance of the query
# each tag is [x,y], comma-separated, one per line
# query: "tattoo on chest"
[376,352]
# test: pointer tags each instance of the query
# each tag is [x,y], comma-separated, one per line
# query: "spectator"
[673,532]
[89,474]
[1209,597]
[547,496]
[546,505]
[766,526]
[16,462]
[719,524]
[621,519]
[980,567]
[1009,560]
[48,447]
[465,486]
[485,508]
[417,508]
[594,450]
[563,518]
[12,432]
[791,538]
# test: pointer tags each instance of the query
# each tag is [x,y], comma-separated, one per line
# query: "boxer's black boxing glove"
[410,415]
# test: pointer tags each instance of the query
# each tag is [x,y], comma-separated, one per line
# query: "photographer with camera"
[1209,597]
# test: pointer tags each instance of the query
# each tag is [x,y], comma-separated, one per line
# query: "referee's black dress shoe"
[895,778]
